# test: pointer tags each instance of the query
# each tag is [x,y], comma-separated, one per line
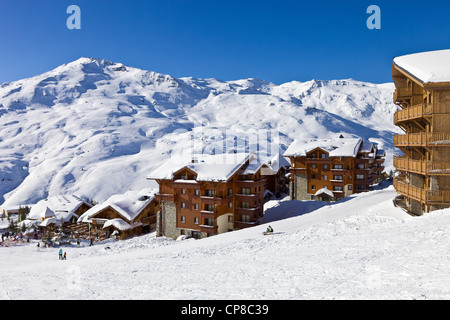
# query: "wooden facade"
[203,208]
[424,115]
[343,175]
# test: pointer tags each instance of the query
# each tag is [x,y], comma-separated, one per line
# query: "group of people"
[61,255]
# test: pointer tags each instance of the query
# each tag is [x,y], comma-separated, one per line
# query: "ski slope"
[359,248]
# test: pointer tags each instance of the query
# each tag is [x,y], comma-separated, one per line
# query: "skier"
[269,229]
[60,254]
[65,257]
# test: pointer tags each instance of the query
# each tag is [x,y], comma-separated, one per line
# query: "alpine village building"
[209,194]
[331,169]
[422,91]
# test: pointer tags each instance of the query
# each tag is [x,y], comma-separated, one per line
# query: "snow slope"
[361,248]
[95,128]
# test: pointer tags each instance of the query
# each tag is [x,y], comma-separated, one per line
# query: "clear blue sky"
[278,41]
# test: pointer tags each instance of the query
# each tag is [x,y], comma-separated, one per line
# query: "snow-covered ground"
[359,248]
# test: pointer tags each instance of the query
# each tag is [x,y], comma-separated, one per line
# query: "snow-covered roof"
[251,168]
[366,147]
[47,213]
[220,167]
[49,221]
[431,66]
[63,207]
[278,161]
[339,147]
[324,191]
[128,205]
[118,224]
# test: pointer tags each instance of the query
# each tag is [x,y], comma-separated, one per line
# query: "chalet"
[60,209]
[209,194]
[126,215]
[422,92]
[275,172]
[7,211]
[330,169]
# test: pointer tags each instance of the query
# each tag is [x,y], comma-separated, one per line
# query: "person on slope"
[269,229]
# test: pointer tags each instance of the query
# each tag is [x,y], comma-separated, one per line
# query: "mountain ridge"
[94,127]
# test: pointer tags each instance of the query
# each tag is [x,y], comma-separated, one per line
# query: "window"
[350,187]
[325,166]
[196,192]
[337,188]
[245,191]
[325,177]
[209,207]
[230,219]
[245,204]
[245,218]
[360,165]
[183,177]
[183,205]
[360,177]
[196,206]
[183,219]
[338,166]
[230,205]
[324,155]
[313,155]
[210,193]
[313,176]
[338,177]
[230,191]
[183,191]
[196,220]
[313,166]
[313,187]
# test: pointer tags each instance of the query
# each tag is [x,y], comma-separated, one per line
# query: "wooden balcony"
[212,200]
[208,229]
[414,112]
[422,139]
[250,183]
[422,166]
[433,197]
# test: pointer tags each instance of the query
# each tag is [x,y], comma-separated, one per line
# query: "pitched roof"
[431,66]
[128,205]
[63,207]
[338,147]
[220,167]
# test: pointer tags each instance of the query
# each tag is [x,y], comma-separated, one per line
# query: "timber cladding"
[424,116]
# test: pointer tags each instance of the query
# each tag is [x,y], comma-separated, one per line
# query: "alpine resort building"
[422,91]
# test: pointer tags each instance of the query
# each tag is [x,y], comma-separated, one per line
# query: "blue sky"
[278,41]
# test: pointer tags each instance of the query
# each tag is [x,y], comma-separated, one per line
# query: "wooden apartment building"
[208,194]
[331,169]
[422,91]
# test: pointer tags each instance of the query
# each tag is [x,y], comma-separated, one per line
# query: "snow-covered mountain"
[95,128]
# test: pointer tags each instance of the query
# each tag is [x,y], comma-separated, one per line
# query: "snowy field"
[360,248]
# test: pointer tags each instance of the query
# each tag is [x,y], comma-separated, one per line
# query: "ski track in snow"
[363,248]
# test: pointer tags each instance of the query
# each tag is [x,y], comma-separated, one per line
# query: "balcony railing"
[413,112]
[422,195]
[422,166]
[422,139]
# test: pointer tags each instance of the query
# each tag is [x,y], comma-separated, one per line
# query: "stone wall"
[299,189]
[167,220]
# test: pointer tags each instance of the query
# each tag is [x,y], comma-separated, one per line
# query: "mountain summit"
[94,127]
